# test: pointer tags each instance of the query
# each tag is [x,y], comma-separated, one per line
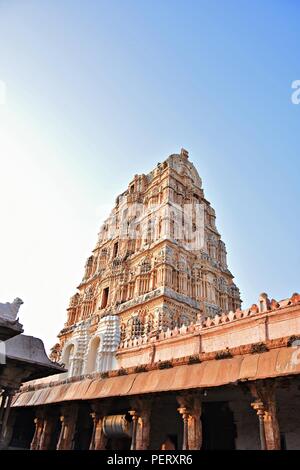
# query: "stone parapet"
[257,327]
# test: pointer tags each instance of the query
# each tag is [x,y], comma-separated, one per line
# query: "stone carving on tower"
[159,263]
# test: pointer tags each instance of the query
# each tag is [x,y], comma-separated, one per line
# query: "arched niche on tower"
[92,355]
[67,356]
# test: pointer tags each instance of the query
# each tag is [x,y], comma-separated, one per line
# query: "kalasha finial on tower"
[184,153]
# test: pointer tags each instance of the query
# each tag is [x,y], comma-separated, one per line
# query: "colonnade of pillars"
[45,423]
[189,408]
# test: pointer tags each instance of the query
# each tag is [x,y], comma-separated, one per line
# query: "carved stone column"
[68,420]
[50,421]
[137,287]
[258,406]
[4,396]
[265,404]
[190,410]
[135,418]
[98,439]
[141,413]
[5,411]
[152,283]
[185,416]
[39,422]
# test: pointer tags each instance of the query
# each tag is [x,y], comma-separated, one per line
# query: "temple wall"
[284,324]
[255,328]
[173,349]
[232,336]
[182,345]
[181,342]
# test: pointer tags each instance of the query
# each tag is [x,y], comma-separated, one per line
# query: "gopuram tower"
[159,263]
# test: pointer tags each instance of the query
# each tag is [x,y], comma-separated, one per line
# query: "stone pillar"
[120,294]
[185,416]
[137,287]
[190,410]
[135,417]
[4,396]
[68,420]
[258,406]
[98,439]
[39,422]
[5,411]
[50,421]
[265,404]
[151,284]
[141,413]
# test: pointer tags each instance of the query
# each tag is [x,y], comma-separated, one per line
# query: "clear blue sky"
[97,91]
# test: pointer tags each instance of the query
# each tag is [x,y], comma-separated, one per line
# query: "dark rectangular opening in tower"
[115,249]
[104,297]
